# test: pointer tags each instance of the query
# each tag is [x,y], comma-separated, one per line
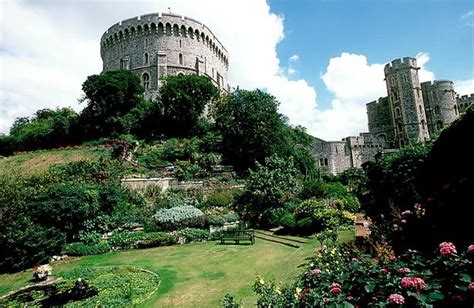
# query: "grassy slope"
[33,162]
[198,275]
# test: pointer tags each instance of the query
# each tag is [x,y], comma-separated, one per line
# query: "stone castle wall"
[440,104]
[406,101]
[380,120]
[464,102]
[157,45]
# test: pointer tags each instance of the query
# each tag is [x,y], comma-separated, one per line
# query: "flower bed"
[334,276]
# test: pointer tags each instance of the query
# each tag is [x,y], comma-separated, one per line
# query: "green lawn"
[198,275]
[37,161]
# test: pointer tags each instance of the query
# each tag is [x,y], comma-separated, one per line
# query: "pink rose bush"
[447,250]
[342,277]
[396,299]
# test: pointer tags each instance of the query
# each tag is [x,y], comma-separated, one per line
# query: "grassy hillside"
[198,275]
[37,161]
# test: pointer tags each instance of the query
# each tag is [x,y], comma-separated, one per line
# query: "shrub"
[220,199]
[84,249]
[288,221]
[194,235]
[127,240]
[336,277]
[157,239]
[220,220]
[177,217]
[89,237]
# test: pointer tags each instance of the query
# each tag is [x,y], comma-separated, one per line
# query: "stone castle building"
[158,45]
[411,112]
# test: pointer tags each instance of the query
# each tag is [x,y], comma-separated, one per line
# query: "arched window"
[423,124]
[146,81]
[420,109]
[326,162]
[456,109]
[145,59]
[402,143]
[180,59]
[180,44]
[436,110]
[397,112]
[439,125]
[146,43]
[400,127]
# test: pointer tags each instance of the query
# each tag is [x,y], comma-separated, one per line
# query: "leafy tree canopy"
[183,99]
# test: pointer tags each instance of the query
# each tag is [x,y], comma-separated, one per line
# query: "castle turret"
[157,45]
[440,104]
[406,101]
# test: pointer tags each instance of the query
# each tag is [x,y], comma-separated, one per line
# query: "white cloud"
[464,87]
[294,58]
[291,71]
[424,74]
[45,60]
[468,19]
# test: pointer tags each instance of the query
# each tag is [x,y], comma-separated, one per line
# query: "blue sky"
[322,59]
[381,30]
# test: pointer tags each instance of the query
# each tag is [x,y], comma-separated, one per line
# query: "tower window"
[436,110]
[146,43]
[180,45]
[180,59]
[405,79]
[145,59]
[146,81]
[399,127]
[456,109]
[420,109]
[397,112]
[423,124]
[326,162]
[439,125]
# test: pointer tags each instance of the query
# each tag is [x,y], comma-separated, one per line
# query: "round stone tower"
[406,101]
[158,45]
[440,103]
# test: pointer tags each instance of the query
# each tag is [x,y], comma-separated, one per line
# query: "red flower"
[413,283]
[384,271]
[396,299]
[404,270]
[335,291]
[470,249]
[447,249]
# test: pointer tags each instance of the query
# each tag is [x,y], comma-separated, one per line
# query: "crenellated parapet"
[158,45]
[163,24]
[464,102]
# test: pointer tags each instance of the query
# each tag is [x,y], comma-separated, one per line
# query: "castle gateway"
[158,45]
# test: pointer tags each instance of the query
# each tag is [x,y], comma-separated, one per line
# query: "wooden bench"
[238,235]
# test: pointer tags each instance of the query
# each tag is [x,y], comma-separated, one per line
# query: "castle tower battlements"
[161,44]
[440,103]
[406,101]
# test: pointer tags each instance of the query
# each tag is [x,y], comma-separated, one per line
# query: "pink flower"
[447,249]
[326,300]
[407,213]
[349,298]
[404,270]
[396,299]
[403,221]
[335,285]
[316,272]
[384,271]
[392,258]
[335,288]
[413,283]
[471,287]
[355,260]
[470,249]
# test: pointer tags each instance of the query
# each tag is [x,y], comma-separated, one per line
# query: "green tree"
[251,127]
[110,96]
[183,99]
[268,187]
